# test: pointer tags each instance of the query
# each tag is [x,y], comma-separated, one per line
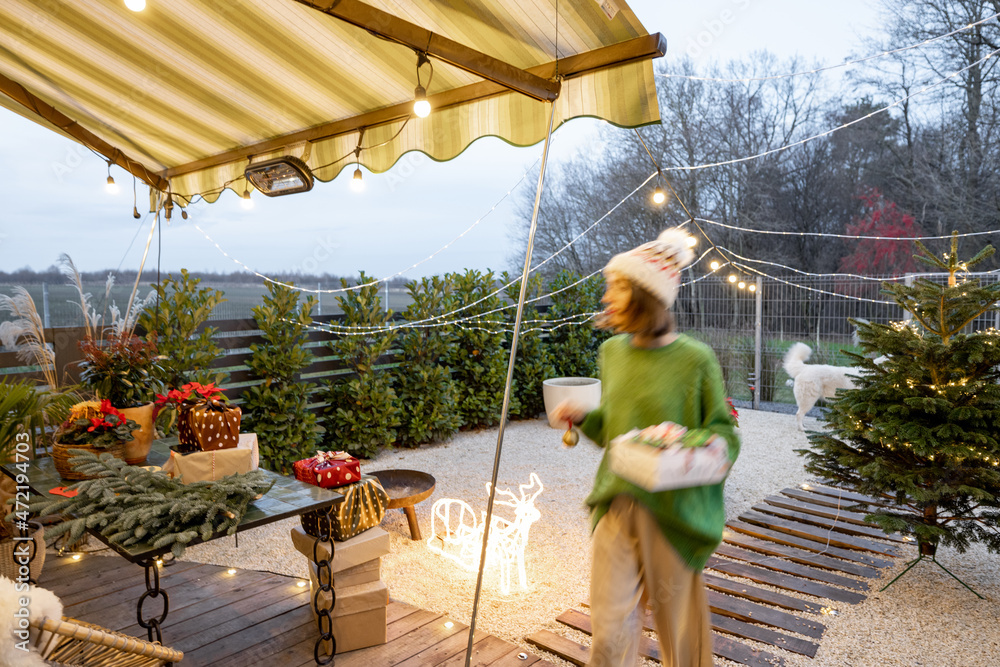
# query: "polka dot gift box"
[328,469]
[215,425]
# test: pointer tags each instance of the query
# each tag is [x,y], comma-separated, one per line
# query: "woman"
[652,545]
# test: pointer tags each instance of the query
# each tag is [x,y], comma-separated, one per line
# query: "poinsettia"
[733,412]
[192,391]
[99,425]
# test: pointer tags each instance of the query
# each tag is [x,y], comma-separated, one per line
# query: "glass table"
[287,498]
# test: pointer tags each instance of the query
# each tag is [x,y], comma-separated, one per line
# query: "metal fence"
[751,323]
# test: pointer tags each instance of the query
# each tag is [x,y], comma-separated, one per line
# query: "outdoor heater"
[280,176]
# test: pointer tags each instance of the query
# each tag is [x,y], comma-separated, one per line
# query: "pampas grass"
[25,333]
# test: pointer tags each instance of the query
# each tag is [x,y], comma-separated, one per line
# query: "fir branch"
[130,505]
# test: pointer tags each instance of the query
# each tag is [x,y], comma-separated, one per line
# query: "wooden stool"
[405,489]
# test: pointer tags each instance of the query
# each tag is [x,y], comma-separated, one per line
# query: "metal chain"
[153,591]
[324,580]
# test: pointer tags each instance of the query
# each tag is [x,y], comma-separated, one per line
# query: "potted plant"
[93,426]
[121,369]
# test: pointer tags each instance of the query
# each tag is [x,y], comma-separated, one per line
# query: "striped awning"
[185,93]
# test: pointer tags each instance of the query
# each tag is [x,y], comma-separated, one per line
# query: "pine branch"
[130,505]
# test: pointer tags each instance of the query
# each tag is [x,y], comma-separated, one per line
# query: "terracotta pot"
[137,449]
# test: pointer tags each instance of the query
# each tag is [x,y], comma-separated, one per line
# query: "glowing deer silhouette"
[454,524]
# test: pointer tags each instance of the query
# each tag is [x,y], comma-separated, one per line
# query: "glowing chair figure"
[454,525]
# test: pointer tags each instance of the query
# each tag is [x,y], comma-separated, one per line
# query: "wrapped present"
[185,436]
[209,466]
[328,469]
[666,456]
[363,507]
[215,425]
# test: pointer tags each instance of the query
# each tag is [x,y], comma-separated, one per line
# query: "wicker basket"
[61,457]
[10,569]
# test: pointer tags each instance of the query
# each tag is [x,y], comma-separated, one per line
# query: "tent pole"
[510,380]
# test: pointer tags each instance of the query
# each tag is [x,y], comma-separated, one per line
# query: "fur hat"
[656,265]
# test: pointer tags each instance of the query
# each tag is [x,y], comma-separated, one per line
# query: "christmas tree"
[921,428]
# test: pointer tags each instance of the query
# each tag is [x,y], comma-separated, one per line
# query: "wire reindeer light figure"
[457,534]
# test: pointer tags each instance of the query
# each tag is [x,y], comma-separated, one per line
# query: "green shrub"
[533,362]
[186,353]
[426,390]
[277,408]
[476,354]
[573,343]
[362,410]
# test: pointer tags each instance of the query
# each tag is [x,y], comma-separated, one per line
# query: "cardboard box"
[367,628]
[352,576]
[355,599]
[367,546]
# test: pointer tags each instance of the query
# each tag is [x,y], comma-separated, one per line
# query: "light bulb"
[421,106]
[136,5]
[77,556]
[659,196]
[247,203]
[753,288]
[301,584]
[356,183]
[715,266]
[111,187]
[742,285]
[732,278]
[231,570]
[692,241]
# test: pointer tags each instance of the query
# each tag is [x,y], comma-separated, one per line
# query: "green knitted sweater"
[682,383]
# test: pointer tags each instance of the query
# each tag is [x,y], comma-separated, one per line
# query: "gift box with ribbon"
[215,425]
[363,507]
[328,469]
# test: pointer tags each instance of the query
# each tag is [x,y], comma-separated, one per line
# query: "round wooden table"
[405,489]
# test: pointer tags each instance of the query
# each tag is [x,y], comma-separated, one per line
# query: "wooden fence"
[234,337]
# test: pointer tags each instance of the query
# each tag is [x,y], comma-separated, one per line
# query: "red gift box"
[328,469]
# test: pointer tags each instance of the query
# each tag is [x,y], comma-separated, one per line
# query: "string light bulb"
[732,277]
[77,556]
[752,288]
[111,187]
[422,107]
[692,241]
[136,5]
[714,265]
[659,196]
[357,184]
[742,285]
[247,203]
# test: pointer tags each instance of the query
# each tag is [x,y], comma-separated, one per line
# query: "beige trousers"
[632,557]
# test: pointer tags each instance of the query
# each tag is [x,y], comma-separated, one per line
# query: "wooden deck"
[804,540]
[255,618]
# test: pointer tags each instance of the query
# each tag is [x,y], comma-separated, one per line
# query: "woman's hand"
[568,411]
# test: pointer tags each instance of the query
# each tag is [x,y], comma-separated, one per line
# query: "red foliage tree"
[881,257]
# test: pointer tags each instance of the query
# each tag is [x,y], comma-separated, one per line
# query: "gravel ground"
[925,619]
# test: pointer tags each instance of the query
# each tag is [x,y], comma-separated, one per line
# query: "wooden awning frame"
[541,82]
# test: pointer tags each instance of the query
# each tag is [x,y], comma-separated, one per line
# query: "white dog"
[814,381]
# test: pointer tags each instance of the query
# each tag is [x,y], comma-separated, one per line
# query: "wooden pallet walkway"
[256,618]
[807,541]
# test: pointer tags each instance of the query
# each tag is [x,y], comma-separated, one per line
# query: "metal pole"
[510,380]
[757,340]
[45,306]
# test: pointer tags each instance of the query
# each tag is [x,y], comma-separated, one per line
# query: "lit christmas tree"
[921,427]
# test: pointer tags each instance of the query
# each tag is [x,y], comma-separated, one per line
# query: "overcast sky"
[53,197]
